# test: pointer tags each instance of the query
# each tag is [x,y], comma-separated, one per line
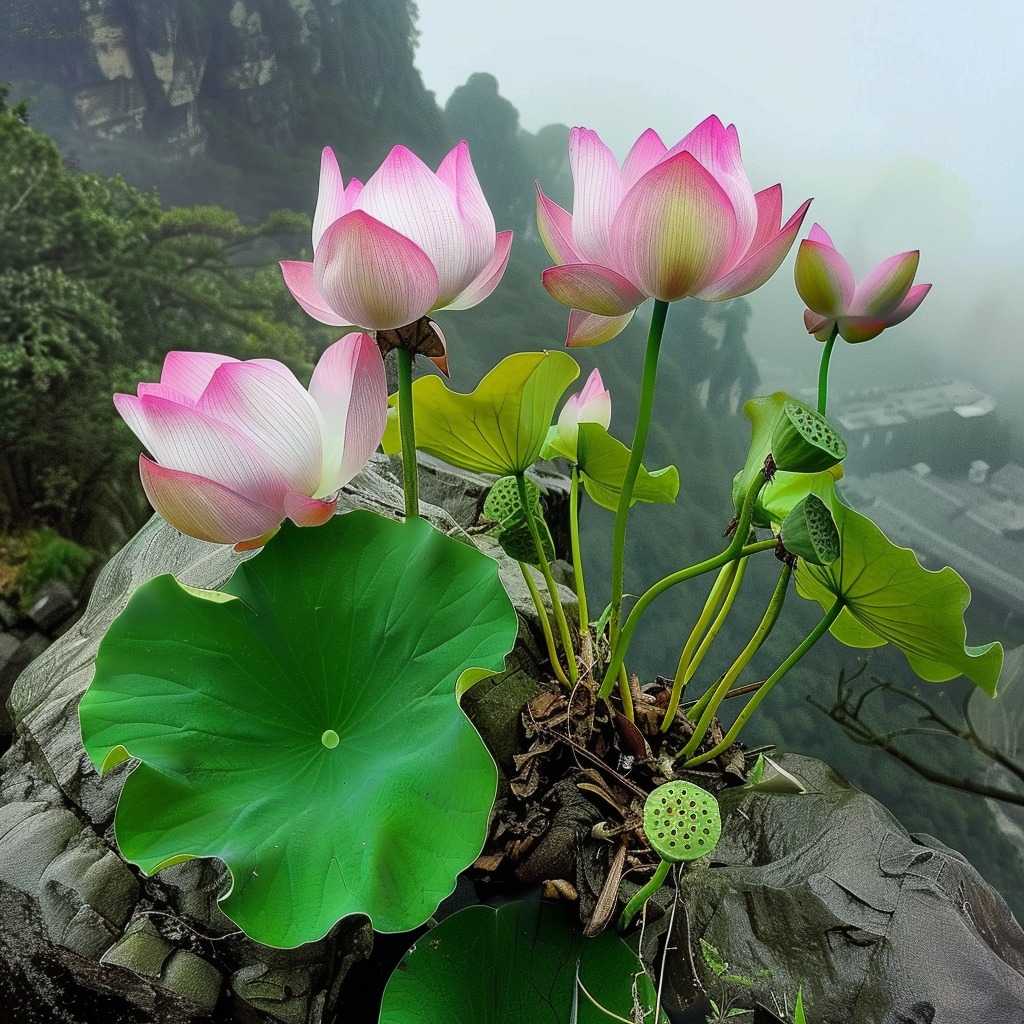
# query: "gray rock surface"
[829,892]
[86,937]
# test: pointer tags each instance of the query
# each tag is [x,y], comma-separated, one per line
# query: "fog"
[901,119]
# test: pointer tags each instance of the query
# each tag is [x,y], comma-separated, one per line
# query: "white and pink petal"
[408,197]
[457,172]
[275,413]
[587,329]
[487,280]
[299,278]
[592,288]
[373,275]
[350,387]
[203,508]
[674,231]
[596,195]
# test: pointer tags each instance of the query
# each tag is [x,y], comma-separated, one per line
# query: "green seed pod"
[804,441]
[809,531]
[504,507]
[682,822]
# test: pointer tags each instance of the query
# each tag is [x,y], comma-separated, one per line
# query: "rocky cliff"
[220,79]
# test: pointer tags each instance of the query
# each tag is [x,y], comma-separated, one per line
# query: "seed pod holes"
[682,821]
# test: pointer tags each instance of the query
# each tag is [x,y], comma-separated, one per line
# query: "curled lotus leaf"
[602,461]
[500,427]
[887,596]
[302,725]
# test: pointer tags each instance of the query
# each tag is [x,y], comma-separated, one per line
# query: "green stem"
[708,640]
[733,551]
[809,641]
[764,627]
[726,575]
[545,568]
[545,625]
[826,355]
[407,428]
[644,894]
[643,426]
[574,539]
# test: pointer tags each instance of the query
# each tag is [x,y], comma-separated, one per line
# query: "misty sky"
[903,119]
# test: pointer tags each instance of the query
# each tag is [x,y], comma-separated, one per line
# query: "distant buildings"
[945,424]
[974,523]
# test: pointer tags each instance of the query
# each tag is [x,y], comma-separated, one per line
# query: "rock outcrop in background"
[221,79]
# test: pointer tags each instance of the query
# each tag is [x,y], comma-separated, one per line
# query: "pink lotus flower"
[238,446]
[668,224]
[862,311]
[404,244]
[591,405]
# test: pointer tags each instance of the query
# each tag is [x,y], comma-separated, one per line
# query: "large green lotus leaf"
[777,498]
[302,725]
[498,428]
[889,597]
[516,965]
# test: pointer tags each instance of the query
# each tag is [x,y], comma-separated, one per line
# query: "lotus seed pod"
[682,821]
[809,531]
[803,441]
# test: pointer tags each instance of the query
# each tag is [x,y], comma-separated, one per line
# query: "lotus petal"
[478,290]
[758,265]
[554,225]
[886,286]
[673,231]
[406,195]
[189,441]
[647,151]
[593,288]
[272,411]
[300,280]
[596,196]
[303,511]
[457,172]
[823,278]
[350,387]
[190,372]
[373,275]
[586,329]
[203,508]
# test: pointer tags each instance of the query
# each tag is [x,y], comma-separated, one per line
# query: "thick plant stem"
[545,625]
[735,550]
[764,627]
[574,539]
[644,894]
[809,641]
[726,575]
[708,640]
[643,426]
[545,568]
[407,428]
[826,355]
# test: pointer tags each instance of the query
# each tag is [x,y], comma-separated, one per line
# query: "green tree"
[97,284]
